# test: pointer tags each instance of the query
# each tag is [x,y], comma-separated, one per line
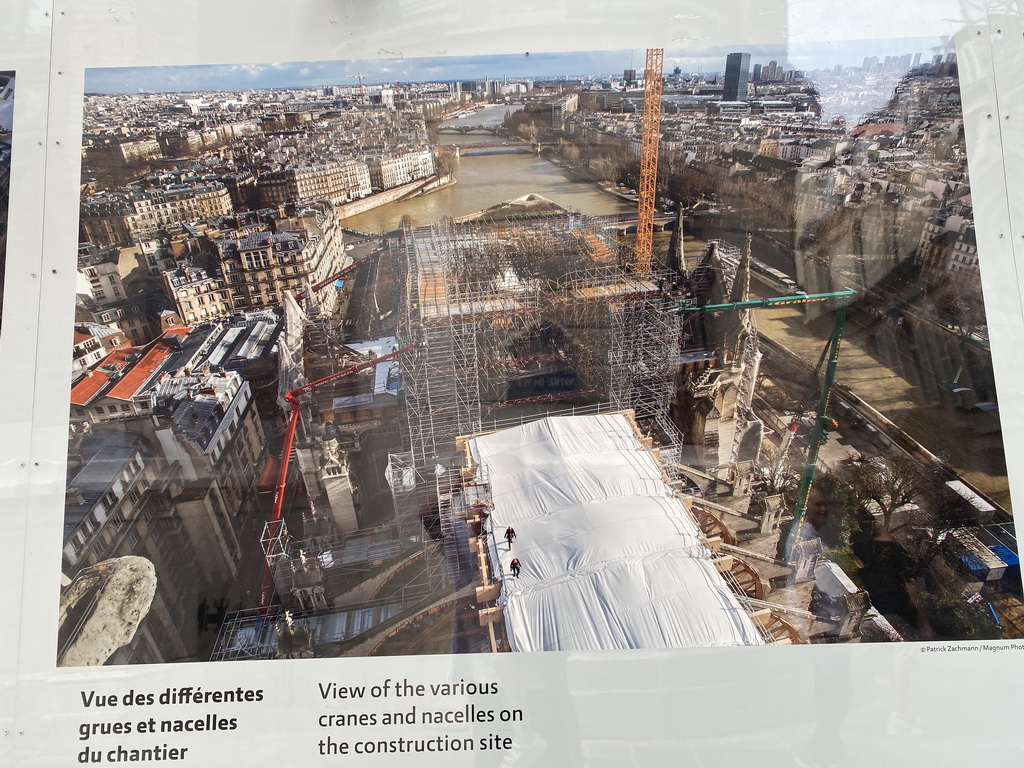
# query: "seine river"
[486,180]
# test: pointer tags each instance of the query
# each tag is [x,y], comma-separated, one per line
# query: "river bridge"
[493,130]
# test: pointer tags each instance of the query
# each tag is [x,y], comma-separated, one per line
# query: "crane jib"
[292,398]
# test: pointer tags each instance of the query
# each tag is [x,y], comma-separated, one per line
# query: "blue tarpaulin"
[1005,554]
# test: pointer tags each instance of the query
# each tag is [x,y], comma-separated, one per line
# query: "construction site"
[555,441]
[528,315]
[524,317]
[498,321]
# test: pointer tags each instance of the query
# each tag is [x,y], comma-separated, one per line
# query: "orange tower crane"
[650,135]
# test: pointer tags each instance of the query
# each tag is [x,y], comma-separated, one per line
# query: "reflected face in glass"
[817,509]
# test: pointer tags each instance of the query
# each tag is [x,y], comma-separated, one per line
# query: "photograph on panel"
[611,350]
[6,130]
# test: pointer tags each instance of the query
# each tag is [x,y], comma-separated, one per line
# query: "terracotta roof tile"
[119,377]
[88,388]
[134,380]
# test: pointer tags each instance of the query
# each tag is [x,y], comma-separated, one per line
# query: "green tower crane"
[832,356]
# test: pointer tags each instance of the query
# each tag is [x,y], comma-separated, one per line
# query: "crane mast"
[650,135]
[832,361]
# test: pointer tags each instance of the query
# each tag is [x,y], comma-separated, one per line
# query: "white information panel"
[719,306]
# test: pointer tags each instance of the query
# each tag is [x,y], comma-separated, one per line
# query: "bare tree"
[924,532]
[939,603]
[777,475]
[571,153]
[529,131]
[885,485]
[960,299]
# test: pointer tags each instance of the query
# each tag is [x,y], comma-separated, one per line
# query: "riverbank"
[611,188]
[586,176]
[496,150]
[395,195]
[975,455]
[489,179]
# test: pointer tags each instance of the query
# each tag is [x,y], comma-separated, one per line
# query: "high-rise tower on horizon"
[737,72]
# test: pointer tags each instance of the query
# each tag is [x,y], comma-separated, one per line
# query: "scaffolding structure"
[333,580]
[506,320]
[513,319]
[253,635]
[335,587]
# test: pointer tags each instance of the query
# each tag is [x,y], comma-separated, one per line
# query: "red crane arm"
[292,398]
[340,273]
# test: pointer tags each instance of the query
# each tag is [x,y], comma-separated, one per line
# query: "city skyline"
[536,65]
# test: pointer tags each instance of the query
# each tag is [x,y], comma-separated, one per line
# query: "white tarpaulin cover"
[610,556]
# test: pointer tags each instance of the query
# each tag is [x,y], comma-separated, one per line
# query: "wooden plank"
[488,593]
[491,615]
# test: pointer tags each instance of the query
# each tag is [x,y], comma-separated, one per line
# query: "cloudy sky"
[300,74]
